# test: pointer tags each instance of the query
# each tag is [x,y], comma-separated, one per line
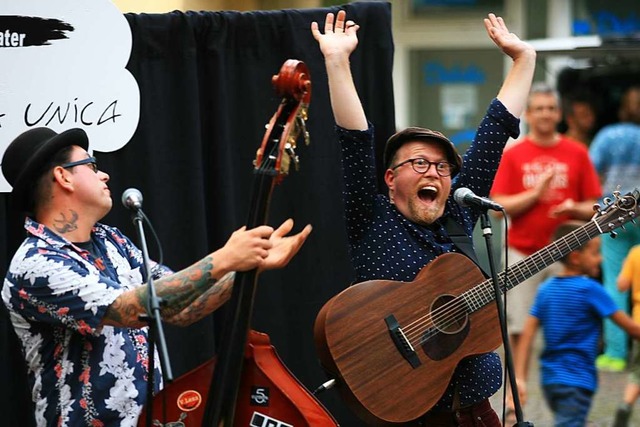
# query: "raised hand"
[336,44]
[515,88]
[339,37]
[508,42]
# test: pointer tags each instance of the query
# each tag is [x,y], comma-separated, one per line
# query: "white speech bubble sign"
[79,80]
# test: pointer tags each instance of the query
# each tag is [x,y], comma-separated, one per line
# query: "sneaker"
[602,361]
[610,364]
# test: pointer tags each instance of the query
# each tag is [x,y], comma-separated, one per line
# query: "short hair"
[40,191]
[565,228]
[541,88]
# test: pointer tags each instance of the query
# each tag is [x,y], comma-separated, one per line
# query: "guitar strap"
[462,242]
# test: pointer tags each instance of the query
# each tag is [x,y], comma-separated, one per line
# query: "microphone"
[466,198]
[132,199]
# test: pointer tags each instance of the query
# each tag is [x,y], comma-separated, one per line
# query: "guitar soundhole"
[447,316]
[450,328]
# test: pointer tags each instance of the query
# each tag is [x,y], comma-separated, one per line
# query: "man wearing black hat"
[75,291]
[394,236]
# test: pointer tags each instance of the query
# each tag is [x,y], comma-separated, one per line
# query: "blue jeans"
[570,405]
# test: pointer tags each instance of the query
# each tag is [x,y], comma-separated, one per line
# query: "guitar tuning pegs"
[613,234]
[616,194]
[607,200]
[596,207]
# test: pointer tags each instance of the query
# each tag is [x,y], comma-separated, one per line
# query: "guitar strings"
[440,319]
[443,317]
[456,309]
[452,307]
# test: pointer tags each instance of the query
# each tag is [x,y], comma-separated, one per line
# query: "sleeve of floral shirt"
[52,286]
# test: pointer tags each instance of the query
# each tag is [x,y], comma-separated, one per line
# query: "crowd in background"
[554,174]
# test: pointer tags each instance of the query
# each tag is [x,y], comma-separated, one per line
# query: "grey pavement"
[606,400]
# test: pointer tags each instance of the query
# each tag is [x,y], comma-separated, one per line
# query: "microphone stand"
[154,320]
[508,356]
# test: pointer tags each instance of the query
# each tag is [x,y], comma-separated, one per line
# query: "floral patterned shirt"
[80,373]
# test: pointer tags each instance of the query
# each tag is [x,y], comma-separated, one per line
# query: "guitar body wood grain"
[355,345]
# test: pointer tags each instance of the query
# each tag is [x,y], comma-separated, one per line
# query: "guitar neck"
[482,294]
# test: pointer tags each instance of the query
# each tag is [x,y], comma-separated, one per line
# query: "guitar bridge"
[400,340]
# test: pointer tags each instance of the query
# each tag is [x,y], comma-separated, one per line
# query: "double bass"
[247,384]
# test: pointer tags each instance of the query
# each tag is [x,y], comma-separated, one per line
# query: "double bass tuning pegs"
[291,152]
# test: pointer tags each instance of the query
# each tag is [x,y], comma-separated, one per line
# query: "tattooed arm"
[193,293]
[244,250]
[206,303]
[194,286]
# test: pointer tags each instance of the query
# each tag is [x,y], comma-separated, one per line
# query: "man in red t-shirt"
[543,180]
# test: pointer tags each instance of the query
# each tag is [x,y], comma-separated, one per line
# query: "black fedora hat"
[30,151]
[421,134]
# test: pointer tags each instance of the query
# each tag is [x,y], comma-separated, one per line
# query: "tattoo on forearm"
[213,298]
[186,296]
[181,289]
[64,225]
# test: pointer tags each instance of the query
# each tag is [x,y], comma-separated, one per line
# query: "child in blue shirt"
[569,309]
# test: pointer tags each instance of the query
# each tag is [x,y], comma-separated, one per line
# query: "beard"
[424,215]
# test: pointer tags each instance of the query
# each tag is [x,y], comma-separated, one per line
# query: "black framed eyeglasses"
[89,161]
[421,165]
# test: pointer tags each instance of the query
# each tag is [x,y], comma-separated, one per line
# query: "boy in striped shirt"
[569,308]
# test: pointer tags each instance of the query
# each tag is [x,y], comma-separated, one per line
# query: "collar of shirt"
[43,232]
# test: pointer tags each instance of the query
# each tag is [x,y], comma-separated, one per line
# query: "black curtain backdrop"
[206,94]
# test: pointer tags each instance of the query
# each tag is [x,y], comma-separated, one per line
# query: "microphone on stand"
[467,198]
[132,199]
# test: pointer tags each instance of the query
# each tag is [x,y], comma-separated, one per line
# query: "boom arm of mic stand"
[485,223]
[154,320]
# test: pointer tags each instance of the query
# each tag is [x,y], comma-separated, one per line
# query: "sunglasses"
[89,161]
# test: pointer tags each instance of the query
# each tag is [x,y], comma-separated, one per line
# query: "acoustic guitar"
[393,346]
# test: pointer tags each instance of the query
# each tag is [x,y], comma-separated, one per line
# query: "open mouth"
[428,193]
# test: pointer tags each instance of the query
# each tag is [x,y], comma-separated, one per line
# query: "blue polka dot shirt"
[386,245]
